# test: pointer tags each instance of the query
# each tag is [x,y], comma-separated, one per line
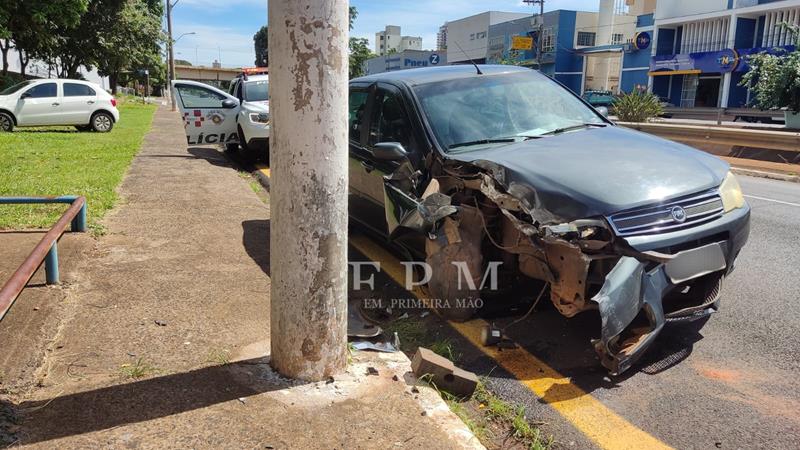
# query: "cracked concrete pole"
[308,42]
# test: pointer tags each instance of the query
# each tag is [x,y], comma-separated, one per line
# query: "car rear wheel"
[6,122]
[102,122]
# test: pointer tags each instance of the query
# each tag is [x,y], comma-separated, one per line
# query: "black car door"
[365,201]
[391,183]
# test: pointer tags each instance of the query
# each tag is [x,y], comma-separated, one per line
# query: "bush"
[775,80]
[637,107]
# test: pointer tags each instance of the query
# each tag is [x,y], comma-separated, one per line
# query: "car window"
[358,104]
[78,90]
[505,106]
[43,90]
[198,97]
[390,122]
[256,91]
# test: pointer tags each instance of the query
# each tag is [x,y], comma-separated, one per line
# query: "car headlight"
[259,118]
[731,193]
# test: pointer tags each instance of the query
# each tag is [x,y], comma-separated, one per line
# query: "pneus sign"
[197,118]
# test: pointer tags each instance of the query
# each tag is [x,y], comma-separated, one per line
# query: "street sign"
[521,43]
[434,59]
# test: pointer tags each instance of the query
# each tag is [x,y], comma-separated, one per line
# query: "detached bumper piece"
[631,306]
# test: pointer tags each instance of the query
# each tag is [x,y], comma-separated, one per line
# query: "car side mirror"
[229,104]
[389,151]
[25,95]
[603,110]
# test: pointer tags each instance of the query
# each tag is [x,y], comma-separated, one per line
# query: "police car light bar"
[255,70]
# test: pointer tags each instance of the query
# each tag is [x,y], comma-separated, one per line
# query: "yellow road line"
[600,424]
[263,169]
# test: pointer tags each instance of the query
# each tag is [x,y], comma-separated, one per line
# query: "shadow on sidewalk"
[255,240]
[144,400]
[212,155]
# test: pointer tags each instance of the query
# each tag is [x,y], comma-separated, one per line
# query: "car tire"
[102,122]
[231,148]
[242,141]
[6,122]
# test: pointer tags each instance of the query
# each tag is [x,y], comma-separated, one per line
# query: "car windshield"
[256,91]
[15,88]
[498,109]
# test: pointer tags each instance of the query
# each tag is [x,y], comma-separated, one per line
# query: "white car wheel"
[102,122]
[6,122]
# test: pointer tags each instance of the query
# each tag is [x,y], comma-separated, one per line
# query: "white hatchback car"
[78,103]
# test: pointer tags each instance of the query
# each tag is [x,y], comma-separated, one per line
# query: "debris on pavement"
[376,346]
[444,374]
[160,323]
[372,371]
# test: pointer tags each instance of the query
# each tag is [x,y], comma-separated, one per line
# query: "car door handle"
[367,166]
[90,102]
[56,104]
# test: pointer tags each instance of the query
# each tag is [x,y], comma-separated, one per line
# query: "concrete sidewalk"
[164,342]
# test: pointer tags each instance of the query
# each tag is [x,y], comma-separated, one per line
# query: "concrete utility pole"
[541,31]
[308,153]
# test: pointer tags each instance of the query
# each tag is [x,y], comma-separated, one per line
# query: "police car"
[238,118]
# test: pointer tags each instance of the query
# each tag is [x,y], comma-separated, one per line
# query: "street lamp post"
[171,50]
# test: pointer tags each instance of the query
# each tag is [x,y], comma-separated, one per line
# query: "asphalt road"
[730,382]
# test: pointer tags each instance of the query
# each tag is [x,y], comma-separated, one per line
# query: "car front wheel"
[6,122]
[102,122]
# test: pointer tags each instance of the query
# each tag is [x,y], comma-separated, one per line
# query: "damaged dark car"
[498,164]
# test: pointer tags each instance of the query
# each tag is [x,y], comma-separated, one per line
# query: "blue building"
[698,48]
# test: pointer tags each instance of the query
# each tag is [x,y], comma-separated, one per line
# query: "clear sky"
[224,28]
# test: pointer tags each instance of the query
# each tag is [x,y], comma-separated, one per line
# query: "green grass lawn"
[62,161]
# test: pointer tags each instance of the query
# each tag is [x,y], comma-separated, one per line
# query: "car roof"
[414,77]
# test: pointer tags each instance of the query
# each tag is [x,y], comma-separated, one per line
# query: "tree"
[261,43]
[359,53]
[182,62]
[131,44]
[33,26]
[353,15]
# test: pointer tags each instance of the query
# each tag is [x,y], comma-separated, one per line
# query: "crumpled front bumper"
[634,288]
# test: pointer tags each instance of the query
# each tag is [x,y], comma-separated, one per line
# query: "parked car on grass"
[47,102]
[466,170]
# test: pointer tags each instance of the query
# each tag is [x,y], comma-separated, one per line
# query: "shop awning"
[674,72]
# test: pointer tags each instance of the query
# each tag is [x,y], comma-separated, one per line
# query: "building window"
[586,38]
[617,38]
[381,37]
[548,40]
[472,37]
[481,35]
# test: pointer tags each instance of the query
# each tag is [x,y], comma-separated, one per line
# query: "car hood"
[257,107]
[596,171]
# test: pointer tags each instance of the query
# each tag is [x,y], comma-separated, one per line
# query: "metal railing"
[772,140]
[47,248]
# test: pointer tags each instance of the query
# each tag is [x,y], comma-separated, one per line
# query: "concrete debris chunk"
[444,374]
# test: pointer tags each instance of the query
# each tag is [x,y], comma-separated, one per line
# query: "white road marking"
[773,200]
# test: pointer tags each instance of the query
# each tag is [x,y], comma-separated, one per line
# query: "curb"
[765,174]
[428,399]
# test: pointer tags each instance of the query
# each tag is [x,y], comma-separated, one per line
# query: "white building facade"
[468,38]
[700,47]
[391,40]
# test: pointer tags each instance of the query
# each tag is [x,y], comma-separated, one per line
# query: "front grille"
[699,208]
